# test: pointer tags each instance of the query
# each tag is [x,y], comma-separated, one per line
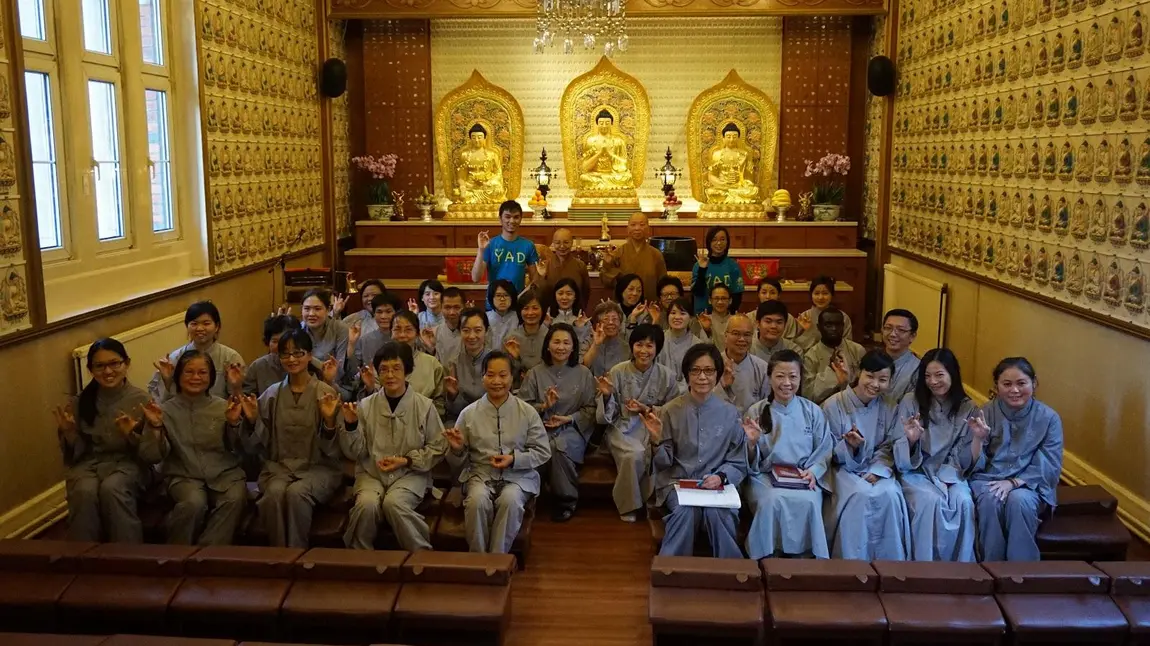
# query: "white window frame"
[86,273]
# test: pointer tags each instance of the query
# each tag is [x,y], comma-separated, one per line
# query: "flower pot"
[827,212]
[380,211]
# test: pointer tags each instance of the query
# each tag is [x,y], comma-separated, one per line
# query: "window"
[115,156]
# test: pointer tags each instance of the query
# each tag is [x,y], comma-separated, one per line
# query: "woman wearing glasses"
[98,438]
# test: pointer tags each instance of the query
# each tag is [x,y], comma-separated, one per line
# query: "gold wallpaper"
[260,110]
[340,137]
[14,298]
[873,137]
[1022,146]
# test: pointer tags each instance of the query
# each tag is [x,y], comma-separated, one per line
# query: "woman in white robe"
[933,457]
[787,430]
[867,517]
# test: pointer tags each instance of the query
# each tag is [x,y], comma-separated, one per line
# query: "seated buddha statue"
[730,170]
[604,164]
[479,170]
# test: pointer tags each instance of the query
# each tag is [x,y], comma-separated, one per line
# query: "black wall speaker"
[881,76]
[333,78]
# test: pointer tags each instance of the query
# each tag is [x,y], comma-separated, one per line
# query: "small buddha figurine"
[1030,215]
[604,162]
[221,254]
[1020,161]
[213,161]
[1145,111]
[1089,104]
[992,207]
[1012,63]
[1042,65]
[1134,35]
[730,171]
[1070,112]
[1058,271]
[1045,215]
[1099,222]
[243,243]
[1143,172]
[1112,288]
[1049,161]
[1066,169]
[229,203]
[966,245]
[988,257]
[1140,229]
[969,210]
[10,241]
[1053,108]
[1026,265]
[1062,219]
[996,113]
[1118,231]
[1027,60]
[976,248]
[1041,267]
[1010,114]
[479,169]
[1085,161]
[1135,290]
[1038,109]
[1074,57]
[1013,261]
[1108,105]
[1080,219]
[1058,54]
[1035,161]
[230,245]
[1016,210]
[1103,163]
[1093,286]
[1124,164]
[1000,259]
[980,205]
[1115,37]
[1094,44]
[14,297]
[1128,106]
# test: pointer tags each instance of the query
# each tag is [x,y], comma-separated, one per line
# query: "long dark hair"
[432,284]
[573,360]
[86,403]
[187,357]
[621,285]
[782,356]
[954,397]
[553,303]
[711,233]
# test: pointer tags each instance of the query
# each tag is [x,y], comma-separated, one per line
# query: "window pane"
[97,27]
[32,19]
[106,156]
[44,173]
[151,32]
[156,104]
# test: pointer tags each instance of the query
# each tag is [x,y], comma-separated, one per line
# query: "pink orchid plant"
[381,168]
[829,191]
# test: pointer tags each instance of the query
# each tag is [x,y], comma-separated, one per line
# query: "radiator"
[928,300]
[145,345]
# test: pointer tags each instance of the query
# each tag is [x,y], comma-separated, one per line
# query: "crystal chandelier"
[593,21]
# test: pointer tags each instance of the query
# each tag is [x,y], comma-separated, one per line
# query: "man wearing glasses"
[745,379]
[899,330]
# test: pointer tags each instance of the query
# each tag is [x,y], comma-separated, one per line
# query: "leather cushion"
[708,573]
[246,561]
[350,565]
[207,596]
[926,613]
[598,470]
[32,589]
[123,593]
[1137,612]
[34,639]
[453,603]
[41,556]
[336,601]
[1085,500]
[826,612]
[683,608]
[150,640]
[1127,577]
[819,575]
[137,560]
[471,568]
[1061,613]
[927,577]
[1065,530]
[1047,577]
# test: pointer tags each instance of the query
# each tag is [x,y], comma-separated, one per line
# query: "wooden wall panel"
[397,100]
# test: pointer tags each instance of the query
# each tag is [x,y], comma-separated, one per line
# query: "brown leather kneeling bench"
[453,597]
[817,601]
[939,603]
[695,600]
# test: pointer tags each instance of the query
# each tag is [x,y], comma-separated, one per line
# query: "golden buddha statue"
[730,169]
[479,170]
[604,163]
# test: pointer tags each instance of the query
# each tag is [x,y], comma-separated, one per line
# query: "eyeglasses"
[110,366]
[704,372]
[501,297]
[296,354]
[890,329]
[391,370]
[740,335]
[720,299]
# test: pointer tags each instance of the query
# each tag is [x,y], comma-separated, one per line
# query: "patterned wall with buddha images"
[261,113]
[872,162]
[14,297]
[1021,147]
[340,137]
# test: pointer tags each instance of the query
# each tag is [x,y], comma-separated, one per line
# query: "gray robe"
[788,521]
[613,352]
[365,318]
[819,381]
[104,476]
[752,382]
[262,373]
[864,521]
[301,459]
[811,337]
[933,478]
[1027,445]
[577,395]
[698,440]
[581,331]
[760,349]
[718,333]
[447,343]
[222,357]
[198,453]
[903,378]
[429,319]
[675,346]
[427,380]
[626,436]
[414,431]
[496,498]
[468,371]
[530,346]
[330,340]
[363,354]
[499,326]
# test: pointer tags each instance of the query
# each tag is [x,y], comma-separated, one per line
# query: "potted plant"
[380,201]
[829,193]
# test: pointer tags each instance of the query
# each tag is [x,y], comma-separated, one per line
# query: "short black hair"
[297,337]
[474,312]
[825,281]
[432,284]
[702,350]
[507,286]
[324,296]
[684,303]
[906,314]
[407,315]
[386,298]
[278,324]
[767,308]
[773,282]
[876,361]
[668,280]
[395,350]
[510,206]
[452,292]
[647,332]
[722,286]
[373,282]
[572,360]
[492,356]
[831,311]
[199,308]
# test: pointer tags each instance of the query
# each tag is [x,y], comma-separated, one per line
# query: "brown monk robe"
[558,263]
[636,256]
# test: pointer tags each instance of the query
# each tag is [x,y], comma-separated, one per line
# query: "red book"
[787,476]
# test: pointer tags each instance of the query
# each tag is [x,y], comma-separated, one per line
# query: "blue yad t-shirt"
[508,260]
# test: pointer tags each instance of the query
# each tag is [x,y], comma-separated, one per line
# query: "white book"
[725,498]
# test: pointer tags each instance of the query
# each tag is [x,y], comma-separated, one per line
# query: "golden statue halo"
[733,100]
[502,117]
